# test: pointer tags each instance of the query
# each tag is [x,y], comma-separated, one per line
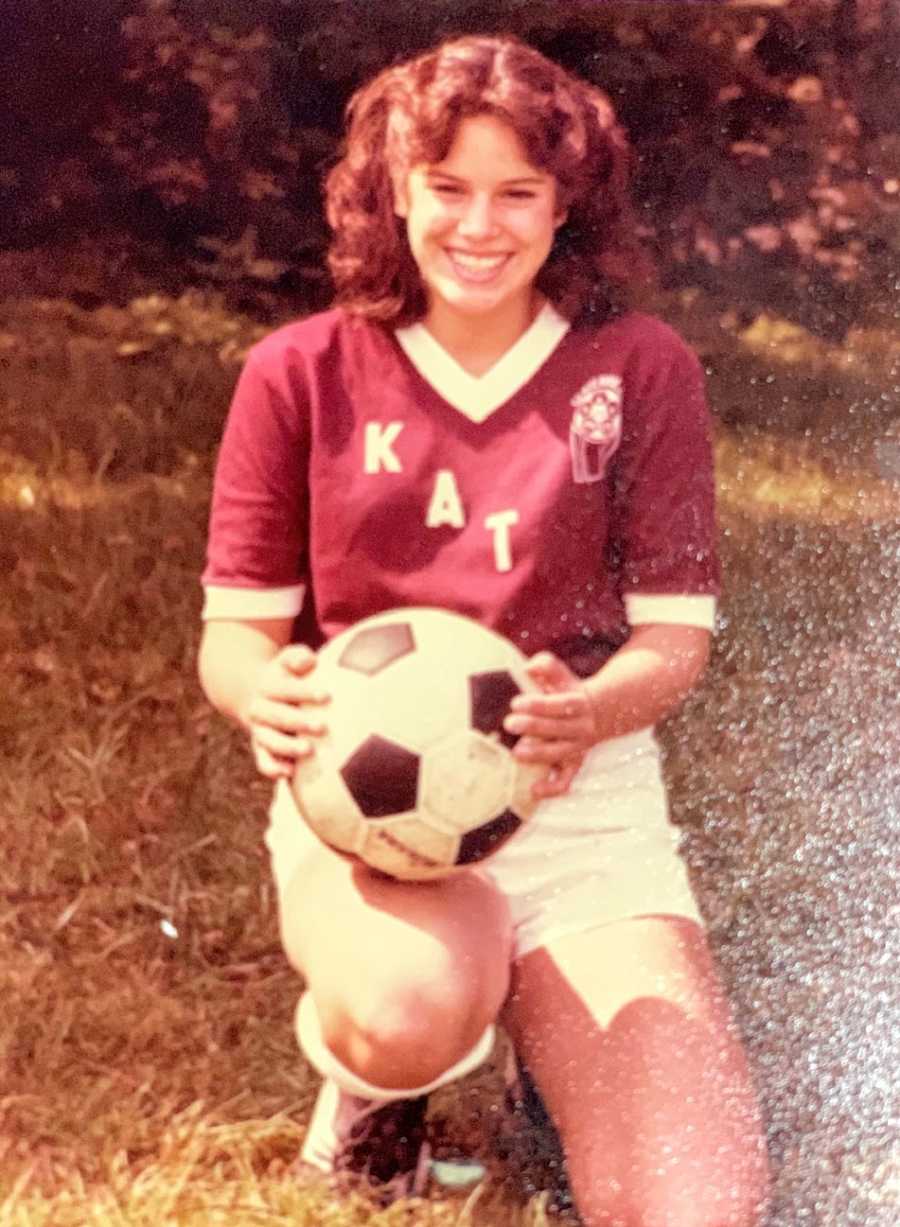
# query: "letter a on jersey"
[379,453]
[445,506]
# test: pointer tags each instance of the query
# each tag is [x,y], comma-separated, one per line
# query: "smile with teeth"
[477,267]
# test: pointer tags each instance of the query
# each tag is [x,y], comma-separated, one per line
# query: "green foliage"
[767,154]
[768,165]
[115,392]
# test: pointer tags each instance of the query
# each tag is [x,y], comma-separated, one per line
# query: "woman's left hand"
[556,727]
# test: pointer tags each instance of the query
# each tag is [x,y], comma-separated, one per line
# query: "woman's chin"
[478,301]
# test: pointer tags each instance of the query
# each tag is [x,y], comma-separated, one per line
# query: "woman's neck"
[478,343]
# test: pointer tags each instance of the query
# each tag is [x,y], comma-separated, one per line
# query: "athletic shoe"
[369,1142]
[528,1141]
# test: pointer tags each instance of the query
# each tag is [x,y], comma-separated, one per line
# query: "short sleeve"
[664,527]
[257,554]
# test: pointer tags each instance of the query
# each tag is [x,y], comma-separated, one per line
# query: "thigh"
[366,944]
[629,1037]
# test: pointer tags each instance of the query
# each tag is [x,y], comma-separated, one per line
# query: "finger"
[272,767]
[540,750]
[286,717]
[557,781]
[288,688]
[280,745]
[575,729]
[549,672]
[298,658]
[559,705]
[564,722]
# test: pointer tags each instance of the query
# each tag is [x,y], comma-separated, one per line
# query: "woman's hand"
[282,714]
[557,727]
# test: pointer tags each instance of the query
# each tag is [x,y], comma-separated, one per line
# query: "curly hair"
[410,113]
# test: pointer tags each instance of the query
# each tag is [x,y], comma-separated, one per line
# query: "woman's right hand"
[282,714]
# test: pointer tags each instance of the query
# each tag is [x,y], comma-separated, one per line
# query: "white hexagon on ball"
[466,780]
[407,847]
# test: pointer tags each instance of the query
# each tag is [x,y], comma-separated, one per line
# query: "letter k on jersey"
[379,453]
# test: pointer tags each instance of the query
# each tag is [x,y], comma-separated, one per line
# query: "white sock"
[323,1060]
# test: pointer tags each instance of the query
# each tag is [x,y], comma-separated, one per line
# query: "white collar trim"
[478,396]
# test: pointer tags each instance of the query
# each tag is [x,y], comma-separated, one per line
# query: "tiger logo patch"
[596,429]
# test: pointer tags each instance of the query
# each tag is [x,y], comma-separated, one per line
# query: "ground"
[150,1073]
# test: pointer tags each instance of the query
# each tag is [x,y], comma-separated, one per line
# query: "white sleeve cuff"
[679,609]
[236,604]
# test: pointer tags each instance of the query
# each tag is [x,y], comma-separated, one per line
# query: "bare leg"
[406,977]
[627,1033]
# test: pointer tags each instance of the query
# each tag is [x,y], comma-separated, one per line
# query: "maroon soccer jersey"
[563,495]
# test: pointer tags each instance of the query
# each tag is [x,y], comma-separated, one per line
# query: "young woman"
[481,424]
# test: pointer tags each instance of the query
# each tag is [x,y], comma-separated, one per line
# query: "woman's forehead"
[487,143]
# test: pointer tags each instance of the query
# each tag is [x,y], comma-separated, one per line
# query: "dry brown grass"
[149,1071]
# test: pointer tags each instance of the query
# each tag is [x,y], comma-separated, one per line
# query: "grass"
[150,1075]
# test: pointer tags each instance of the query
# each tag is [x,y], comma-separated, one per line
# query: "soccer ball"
[415,774]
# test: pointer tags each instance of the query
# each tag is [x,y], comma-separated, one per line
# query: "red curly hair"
[409,114]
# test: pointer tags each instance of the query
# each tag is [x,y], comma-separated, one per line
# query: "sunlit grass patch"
[867,350]
[770,373]
[761,475]
[117,391]
[207,1172]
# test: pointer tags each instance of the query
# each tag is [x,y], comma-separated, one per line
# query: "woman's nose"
[478,219]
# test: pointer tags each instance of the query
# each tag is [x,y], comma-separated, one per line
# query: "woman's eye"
[455,191]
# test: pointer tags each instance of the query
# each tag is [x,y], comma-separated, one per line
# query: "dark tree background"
[767,135]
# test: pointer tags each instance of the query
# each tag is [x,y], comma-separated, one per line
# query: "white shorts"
[606,851]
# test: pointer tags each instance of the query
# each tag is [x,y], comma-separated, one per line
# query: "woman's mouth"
[477,269]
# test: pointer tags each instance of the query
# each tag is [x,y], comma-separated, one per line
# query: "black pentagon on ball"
[375,647]
[487,838]
[383,778]
[490,695]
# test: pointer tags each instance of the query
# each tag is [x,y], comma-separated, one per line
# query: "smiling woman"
[562,133]
[480,424]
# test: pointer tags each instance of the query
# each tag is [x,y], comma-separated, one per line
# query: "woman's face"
[480,223]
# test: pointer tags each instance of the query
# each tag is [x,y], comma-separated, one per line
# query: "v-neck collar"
[478,396]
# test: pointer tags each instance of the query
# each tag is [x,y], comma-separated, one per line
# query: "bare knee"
[405,978]
[406,1040]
